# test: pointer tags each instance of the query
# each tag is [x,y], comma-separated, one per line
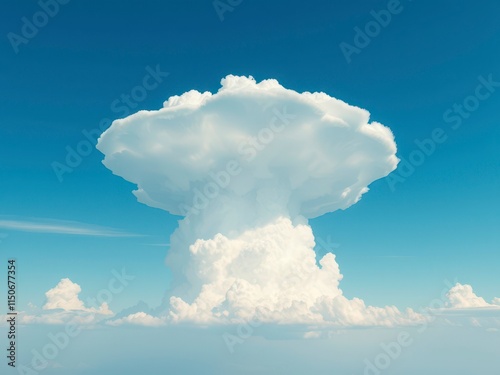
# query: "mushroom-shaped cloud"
[248,166]
[301,153]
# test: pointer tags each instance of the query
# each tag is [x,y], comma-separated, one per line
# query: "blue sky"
[396,246]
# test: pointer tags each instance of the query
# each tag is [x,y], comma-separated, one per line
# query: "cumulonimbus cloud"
[248,166]
[270,274]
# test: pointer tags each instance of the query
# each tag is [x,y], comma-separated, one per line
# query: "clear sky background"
[396,246]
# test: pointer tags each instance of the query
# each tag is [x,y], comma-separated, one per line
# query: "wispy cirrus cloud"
[51,226]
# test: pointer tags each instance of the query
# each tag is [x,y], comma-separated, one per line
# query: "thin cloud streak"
[62,227]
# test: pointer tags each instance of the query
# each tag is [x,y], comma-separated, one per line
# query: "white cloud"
[461,296]
[246,163]
[464,308]
[140,318]
[40,225]
[270,274]
[63,306]
[64,296]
